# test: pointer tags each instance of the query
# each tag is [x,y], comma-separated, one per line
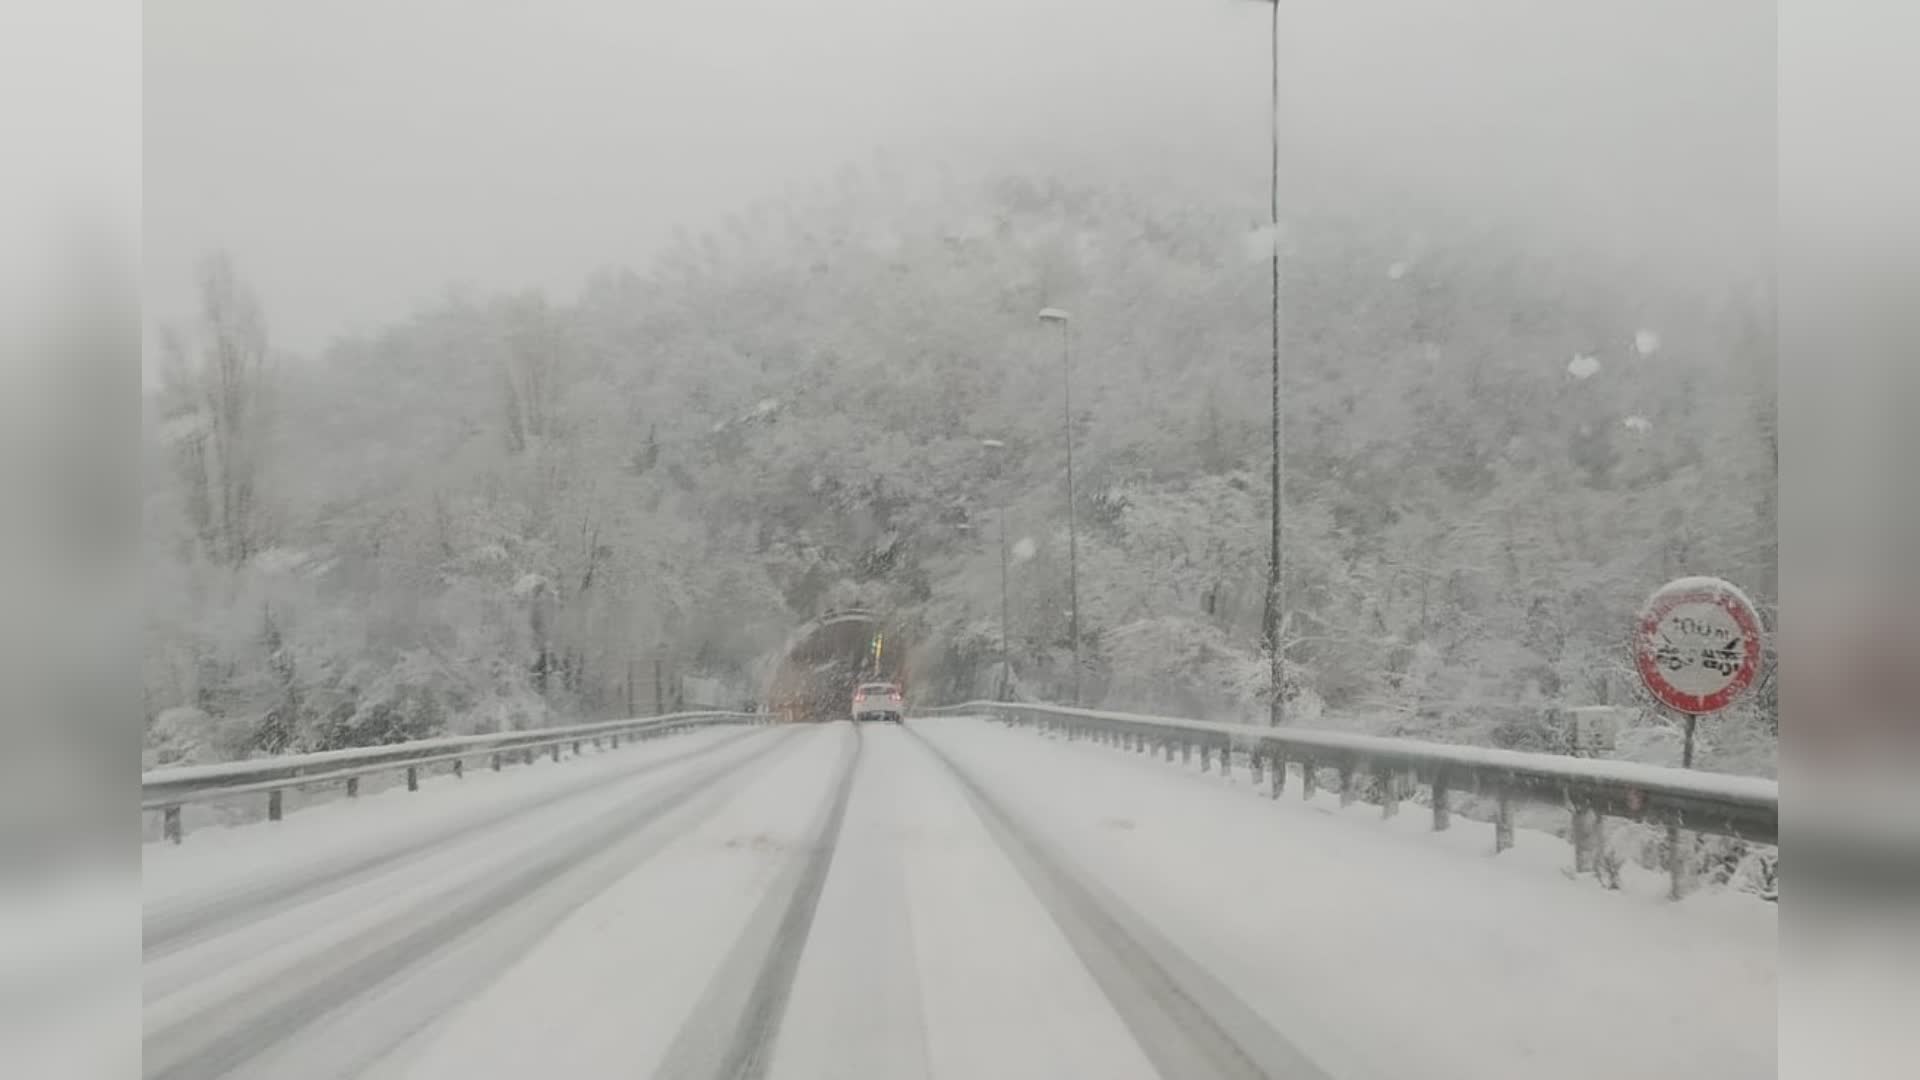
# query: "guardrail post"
[1254,765]
[1503,824]
[1309,780]
[1389,792]
[413,778]
[1346,785]
[1442,813]
[273,805]
[1582,835]
[353,787]
[1676,864]
[576,748]
[1186,752]
[556,751]
[496,762]
[459,768]
[170,823]
[1206,757]
[1277,762]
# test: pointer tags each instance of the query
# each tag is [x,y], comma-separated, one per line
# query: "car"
[878,701]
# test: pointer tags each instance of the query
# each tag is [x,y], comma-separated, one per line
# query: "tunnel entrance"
[815,676]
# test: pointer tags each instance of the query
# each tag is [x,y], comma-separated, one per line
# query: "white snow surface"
[930,956]
[219,861]
[1389,952]
[1376,948]
[609,987]
[224,982]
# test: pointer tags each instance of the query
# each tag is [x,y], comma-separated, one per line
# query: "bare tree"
[216,412]
[528,371]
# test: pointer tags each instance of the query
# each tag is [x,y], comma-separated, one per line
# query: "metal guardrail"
[167,790]
[1743,807]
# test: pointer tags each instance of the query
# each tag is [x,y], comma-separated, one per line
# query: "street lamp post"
[1006,663]
[1271,621]
[1065,321]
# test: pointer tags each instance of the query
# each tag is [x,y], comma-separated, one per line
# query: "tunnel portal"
[814,677]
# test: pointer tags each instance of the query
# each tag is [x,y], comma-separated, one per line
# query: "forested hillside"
[496,513]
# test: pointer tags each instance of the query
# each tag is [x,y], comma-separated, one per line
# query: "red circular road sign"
[1698,645]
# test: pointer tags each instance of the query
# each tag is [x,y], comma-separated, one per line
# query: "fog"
[357,157]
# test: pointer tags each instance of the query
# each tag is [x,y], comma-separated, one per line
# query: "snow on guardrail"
[1742,807]
[167,790]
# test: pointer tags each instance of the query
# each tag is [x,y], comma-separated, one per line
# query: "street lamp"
[1065,321]
[1270,619]
[1006,664]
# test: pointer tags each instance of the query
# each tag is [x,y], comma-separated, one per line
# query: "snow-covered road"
[949,900]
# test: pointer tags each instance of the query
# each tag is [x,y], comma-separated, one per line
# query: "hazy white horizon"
[357,158]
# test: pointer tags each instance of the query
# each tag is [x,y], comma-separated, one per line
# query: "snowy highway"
[951,899]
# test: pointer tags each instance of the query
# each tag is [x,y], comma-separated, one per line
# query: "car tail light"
[860,696]
[893,697]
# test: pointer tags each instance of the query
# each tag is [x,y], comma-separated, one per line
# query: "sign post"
[1698,646]
[1590,732]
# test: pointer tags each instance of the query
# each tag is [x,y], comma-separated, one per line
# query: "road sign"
[1698,645]
[1595,729]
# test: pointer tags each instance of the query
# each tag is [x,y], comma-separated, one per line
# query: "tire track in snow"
[168,930]
[1188,1023]
[240,1031]
[731,1033]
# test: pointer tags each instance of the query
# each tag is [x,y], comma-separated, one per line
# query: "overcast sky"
[357,156]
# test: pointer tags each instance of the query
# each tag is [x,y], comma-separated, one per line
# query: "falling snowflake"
[1583,366]
[1638,423]
[1023,549]
[280,560]
[1646,342]
[1397,270]
[1264,240]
